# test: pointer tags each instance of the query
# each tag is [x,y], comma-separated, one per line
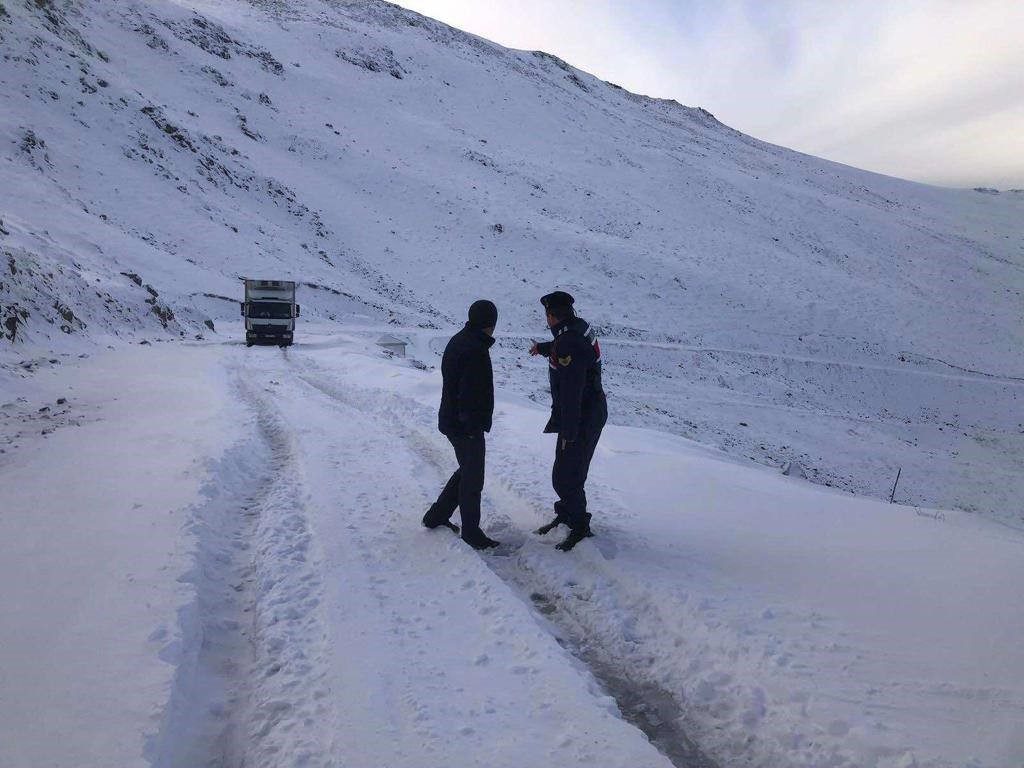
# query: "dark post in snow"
[893,494]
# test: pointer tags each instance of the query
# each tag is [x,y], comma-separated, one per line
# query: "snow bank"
[95,498]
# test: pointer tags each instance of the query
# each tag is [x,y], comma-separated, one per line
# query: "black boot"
[430,521]
[546,529]
[478,539]
[576,535]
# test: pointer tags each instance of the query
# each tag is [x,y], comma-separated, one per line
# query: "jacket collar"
[479,335]
[569,324]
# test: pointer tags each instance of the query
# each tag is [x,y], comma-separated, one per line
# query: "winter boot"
[546,529]
[478,539]
[576,535]
[431,521]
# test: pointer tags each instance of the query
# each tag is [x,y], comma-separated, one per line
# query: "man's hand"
[534,350]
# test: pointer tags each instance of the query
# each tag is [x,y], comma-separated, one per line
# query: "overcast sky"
[931,90]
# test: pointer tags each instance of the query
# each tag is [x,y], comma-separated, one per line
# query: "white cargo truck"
[269,310]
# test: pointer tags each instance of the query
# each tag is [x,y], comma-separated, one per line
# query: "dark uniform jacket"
[467,389]
[574,369]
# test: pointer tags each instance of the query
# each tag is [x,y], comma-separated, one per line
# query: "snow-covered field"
[211,555]
[228,569]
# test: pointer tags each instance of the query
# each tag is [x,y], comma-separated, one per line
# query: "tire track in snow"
[597,635]
[373,550]
[643,703]
[203,723]
[290,686]
[248,690]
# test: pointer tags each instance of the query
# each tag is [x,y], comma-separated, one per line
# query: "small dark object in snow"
[743,424]
[542,603]
[61,400]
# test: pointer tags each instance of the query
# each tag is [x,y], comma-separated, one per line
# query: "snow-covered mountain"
[777,306]
[211,555]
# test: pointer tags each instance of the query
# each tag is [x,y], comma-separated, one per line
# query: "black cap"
[483,314]
[557,299]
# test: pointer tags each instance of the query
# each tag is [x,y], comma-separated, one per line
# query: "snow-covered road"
[94,499]
[217,560]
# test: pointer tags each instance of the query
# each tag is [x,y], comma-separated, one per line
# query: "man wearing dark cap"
[467,405]
[578,411]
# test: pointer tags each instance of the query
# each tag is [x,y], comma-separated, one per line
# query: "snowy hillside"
[212,555]
[152,153]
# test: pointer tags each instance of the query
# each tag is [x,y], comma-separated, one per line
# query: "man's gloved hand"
[534,350]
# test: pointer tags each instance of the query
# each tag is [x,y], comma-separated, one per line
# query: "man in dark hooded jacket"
[578,411]
[467,405]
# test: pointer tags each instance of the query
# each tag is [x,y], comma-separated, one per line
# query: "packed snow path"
[214,557]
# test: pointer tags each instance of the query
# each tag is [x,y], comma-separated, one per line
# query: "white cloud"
[931,90]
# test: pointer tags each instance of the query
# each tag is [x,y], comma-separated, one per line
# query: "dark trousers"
[464,487]
[569,474]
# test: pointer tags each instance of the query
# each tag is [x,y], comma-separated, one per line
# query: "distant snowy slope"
[153,152]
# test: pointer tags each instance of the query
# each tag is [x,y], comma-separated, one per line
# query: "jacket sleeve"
[544,348]
[475,376]
[572,367]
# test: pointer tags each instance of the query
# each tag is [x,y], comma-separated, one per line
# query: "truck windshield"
[270,310]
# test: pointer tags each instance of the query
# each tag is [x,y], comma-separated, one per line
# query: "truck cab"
[269,310]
